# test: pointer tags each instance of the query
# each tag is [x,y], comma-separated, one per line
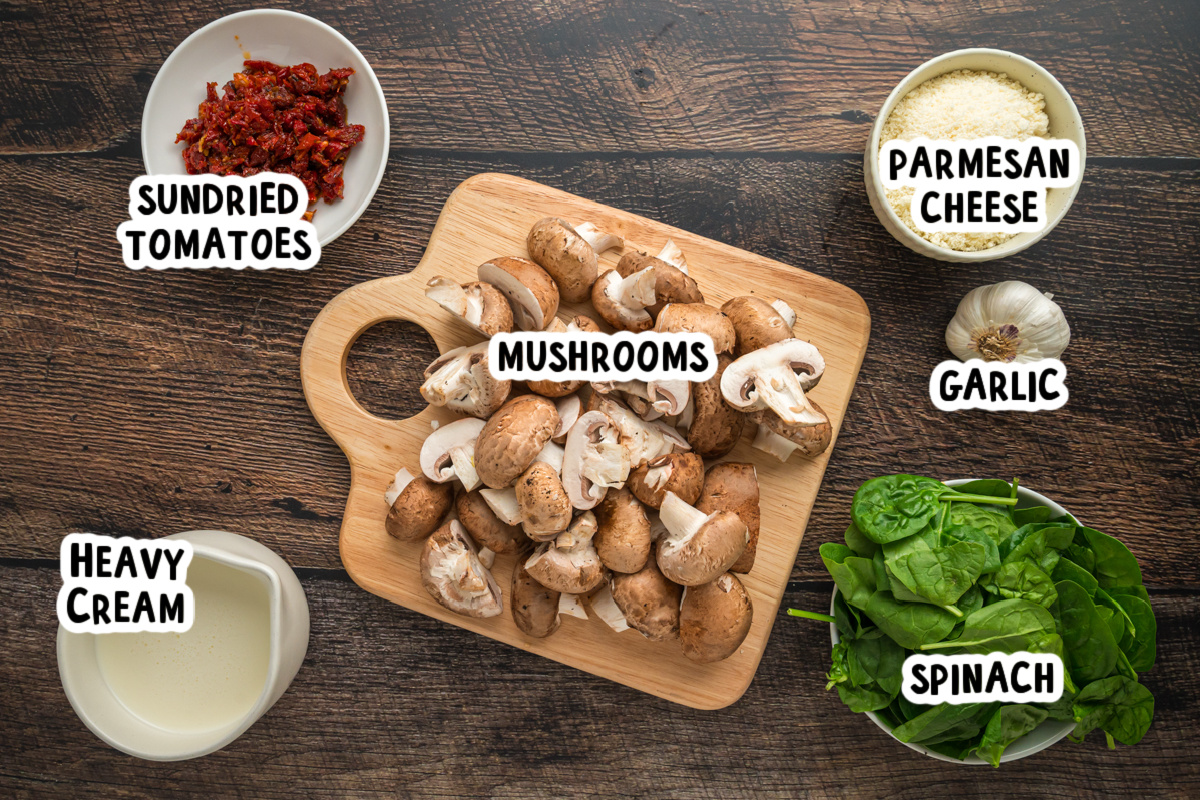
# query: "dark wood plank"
[147,403]
[626,75]
[391,703]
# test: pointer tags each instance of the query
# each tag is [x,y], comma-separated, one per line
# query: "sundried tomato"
[272,118]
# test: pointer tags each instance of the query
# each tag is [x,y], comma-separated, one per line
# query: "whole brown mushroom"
[532,293]
[649,601]
[623,533]
[714,427]
[569,254]
[756,323]
[698,318]
[543,502]
[419,506]
[485,527]
[733,487]
[681,473]
[534,607]
[512,438]
[714,619]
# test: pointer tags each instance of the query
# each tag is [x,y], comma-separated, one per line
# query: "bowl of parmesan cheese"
[967,95]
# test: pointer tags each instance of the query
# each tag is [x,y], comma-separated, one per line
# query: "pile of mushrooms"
[601,491]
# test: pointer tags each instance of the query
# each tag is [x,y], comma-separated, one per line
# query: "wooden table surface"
[144,403]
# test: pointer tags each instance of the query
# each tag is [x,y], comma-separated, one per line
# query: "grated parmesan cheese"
[964,104]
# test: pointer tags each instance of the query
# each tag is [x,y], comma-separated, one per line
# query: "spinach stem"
[977,498]
[796,612]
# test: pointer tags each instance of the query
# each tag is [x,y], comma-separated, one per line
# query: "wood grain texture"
[393,704]
[148,403]
[491,214]
[626,76]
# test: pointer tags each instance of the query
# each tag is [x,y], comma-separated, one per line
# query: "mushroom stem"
[606,609]
[783,394]
[598,239]
[503,503]
[403,479]
[463,459]
[770,442]
[785,311]
[636,291]
[569,605]
[672,255]
[681,520]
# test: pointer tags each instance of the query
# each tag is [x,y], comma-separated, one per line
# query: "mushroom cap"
[545,508]
[623,318]
[692,557]
[534,607]
[681,473]
[569,410]
[480,305]
[531,292]
[419,509]
[556,389]
[716,426]
[570,563]
[488,530]
[671,284]
[810,440]
[556,246]
[698,318]
[733,487]
[756,323]
[649,601]
[454,576]
[461,381]
[776,376]
[436,459]
[714,619]
[623,532]
[513,437]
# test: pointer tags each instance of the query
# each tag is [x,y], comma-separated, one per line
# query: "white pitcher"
[103,712]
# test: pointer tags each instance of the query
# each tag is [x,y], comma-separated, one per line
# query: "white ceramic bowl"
[1037,740]
[212,54]
[1065,123]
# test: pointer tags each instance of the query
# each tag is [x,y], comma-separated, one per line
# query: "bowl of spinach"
[981,566]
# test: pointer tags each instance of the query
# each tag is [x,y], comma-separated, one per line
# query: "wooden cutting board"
[487,216]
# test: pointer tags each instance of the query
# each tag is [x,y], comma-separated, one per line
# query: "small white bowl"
[1037,740]
[212,54]
[1065,123]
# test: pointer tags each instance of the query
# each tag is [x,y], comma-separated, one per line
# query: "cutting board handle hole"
[385,366]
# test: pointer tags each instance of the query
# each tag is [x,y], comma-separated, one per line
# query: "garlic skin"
[1008,321]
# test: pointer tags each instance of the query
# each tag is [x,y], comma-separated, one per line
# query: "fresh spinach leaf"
[1082,556]
[909,624]
[1007,724]
[996,524]
[1132,591]
[1068,570]
[861,545]
[1090,647]
[1140,645]
[847,619]
[1114,621]
[1006,626]
[1024,580]
[945,723]
[966,533]
[1120,707]
[894,507]
[1114,564]
[854,576]
[942,574]
[1034,540]
[1025,516]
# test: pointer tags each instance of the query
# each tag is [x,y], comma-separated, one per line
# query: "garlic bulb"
[1009,321]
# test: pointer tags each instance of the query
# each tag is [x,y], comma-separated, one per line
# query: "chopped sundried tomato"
[277,119]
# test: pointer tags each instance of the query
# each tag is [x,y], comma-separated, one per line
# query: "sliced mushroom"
[785,311]
[781,440]
[577,324]
[480,305]
[623,531]
[531,292]
[454,576]
[569,254]
[699,546]
[461,381]
[569,408]
[648,601]
[714,619]
[669,397]
[570,563]
[450,452]
[635,393]
[622,302]
[487,529]
[571,605]
[513,437]
[733,487]
[644,439]
[671,284]
[544,505]
[768,378]
[503,503]
[594,460]
[714,427]
[698,318]
[534,607]
[756,323]
[552,454]
[680,473]
[418,506]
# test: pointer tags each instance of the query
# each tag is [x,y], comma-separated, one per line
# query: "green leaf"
[861,545]
[854,576]
[1024,580]
[846,618]
[967,533]
[1067,570]
[1141,645]
[1000,627]
[945,723]
[1121,707]
[909,624]
[893,507]
[1114,564]
[1008,724]
[1025,516]
[1033,540]
[1090,646]
[1081,555]
[942,574]
[996,524]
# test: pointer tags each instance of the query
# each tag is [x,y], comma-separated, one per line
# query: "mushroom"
[534,607]
[643,439]
[503,503]
[669,397]
[785,311]
[622,302]
[569,254]
[513,437]
[713,427]
[623,531]
[698,318]
[485,527]
[756,323]
[570,563]
[648,601]
[543,503]
[480,305]
[454,576]
[461,381]
[671,254]
[531,292]
[671,284]
[714,619]
[571,605]
[608,611]
[635,393]
[577,324]
[781,440]
[767,378]
[733,487]
[417,506]
[699,546]
[450,452]
[594,460]
[679,473]
[569,408]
